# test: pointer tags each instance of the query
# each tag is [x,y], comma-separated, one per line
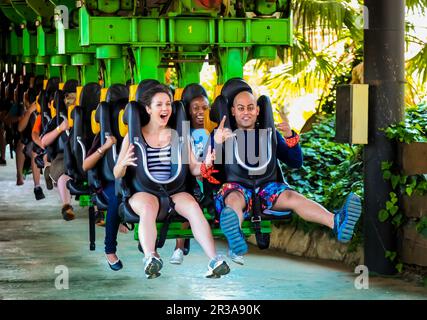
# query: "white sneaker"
[152,267]
[217,267]
[236,258]
[177,257]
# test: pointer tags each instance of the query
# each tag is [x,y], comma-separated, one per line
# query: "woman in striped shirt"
[158,103]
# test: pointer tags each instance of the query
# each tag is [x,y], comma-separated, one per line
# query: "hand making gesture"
[221,133]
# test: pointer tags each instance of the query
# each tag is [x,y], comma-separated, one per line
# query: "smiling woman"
[155,152]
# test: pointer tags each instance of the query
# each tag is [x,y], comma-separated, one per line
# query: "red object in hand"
[207,173]
[292,141]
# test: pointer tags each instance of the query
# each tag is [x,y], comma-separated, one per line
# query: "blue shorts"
[268,195]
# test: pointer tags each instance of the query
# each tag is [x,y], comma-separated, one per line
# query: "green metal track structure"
[119,41]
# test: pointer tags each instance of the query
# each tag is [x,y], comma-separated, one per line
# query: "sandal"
[67,212]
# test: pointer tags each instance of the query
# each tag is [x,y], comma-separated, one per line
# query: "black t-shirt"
[95,145]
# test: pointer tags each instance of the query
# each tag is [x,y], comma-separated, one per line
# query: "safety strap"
[262,239]
[170,214]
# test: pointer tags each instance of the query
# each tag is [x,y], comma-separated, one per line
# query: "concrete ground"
[34,241]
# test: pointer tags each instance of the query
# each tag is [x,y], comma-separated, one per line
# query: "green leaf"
[409,191]
[395,181]
[399,267]
[397,220]
[383,215]
[391,255]
[386,175]
[385,165]
[393,210]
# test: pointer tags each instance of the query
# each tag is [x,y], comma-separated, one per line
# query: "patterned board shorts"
[268,195]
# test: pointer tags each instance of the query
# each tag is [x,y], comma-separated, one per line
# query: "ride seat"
[107,116]
[239,170]
[138,178]
[81,137]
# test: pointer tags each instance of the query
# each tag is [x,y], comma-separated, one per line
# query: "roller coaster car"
[139,179]
[268,169]
[80,139]
[107,115]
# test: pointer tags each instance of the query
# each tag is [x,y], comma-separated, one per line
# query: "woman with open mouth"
[157,102]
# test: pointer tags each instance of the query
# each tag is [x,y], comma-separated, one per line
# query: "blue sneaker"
[230,226]
[346,218]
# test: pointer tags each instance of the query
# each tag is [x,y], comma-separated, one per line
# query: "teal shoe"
[346,218]
[230,226]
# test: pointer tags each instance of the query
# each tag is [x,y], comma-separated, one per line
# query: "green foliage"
[392,255]
[422,226]
[331,170]
[413,129]
[413,185]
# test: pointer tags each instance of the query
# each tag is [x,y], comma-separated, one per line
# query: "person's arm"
[126,158]
[52,135]
[93,157]
[35,133]
[14,115]
[291,155]
[23,122]
[205,168]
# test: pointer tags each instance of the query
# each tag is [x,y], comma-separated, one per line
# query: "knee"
[194,207]
[143,208]
[291,198]
[235,200]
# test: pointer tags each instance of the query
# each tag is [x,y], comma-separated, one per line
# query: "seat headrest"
[234,86]
[192,91]
[144,85]
[219,110]
[265,116]
[38,83]
[222,107]
[32,95]
[59,102]
[90,96]
[117,92]
[21,88]
[52,85]
[70,86]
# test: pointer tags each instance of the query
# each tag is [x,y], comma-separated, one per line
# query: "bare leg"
[305,208]
[2,143]
[20,160]
[147,207]
[236,201]
[36,170]
[187,207]
[64,193]
[179,241]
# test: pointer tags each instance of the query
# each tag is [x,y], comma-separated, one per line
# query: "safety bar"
[145,166]
[269,153]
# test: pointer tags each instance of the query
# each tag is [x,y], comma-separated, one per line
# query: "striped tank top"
[159,162]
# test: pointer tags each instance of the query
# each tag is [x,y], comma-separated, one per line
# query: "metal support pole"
[92,228]
[384,72]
